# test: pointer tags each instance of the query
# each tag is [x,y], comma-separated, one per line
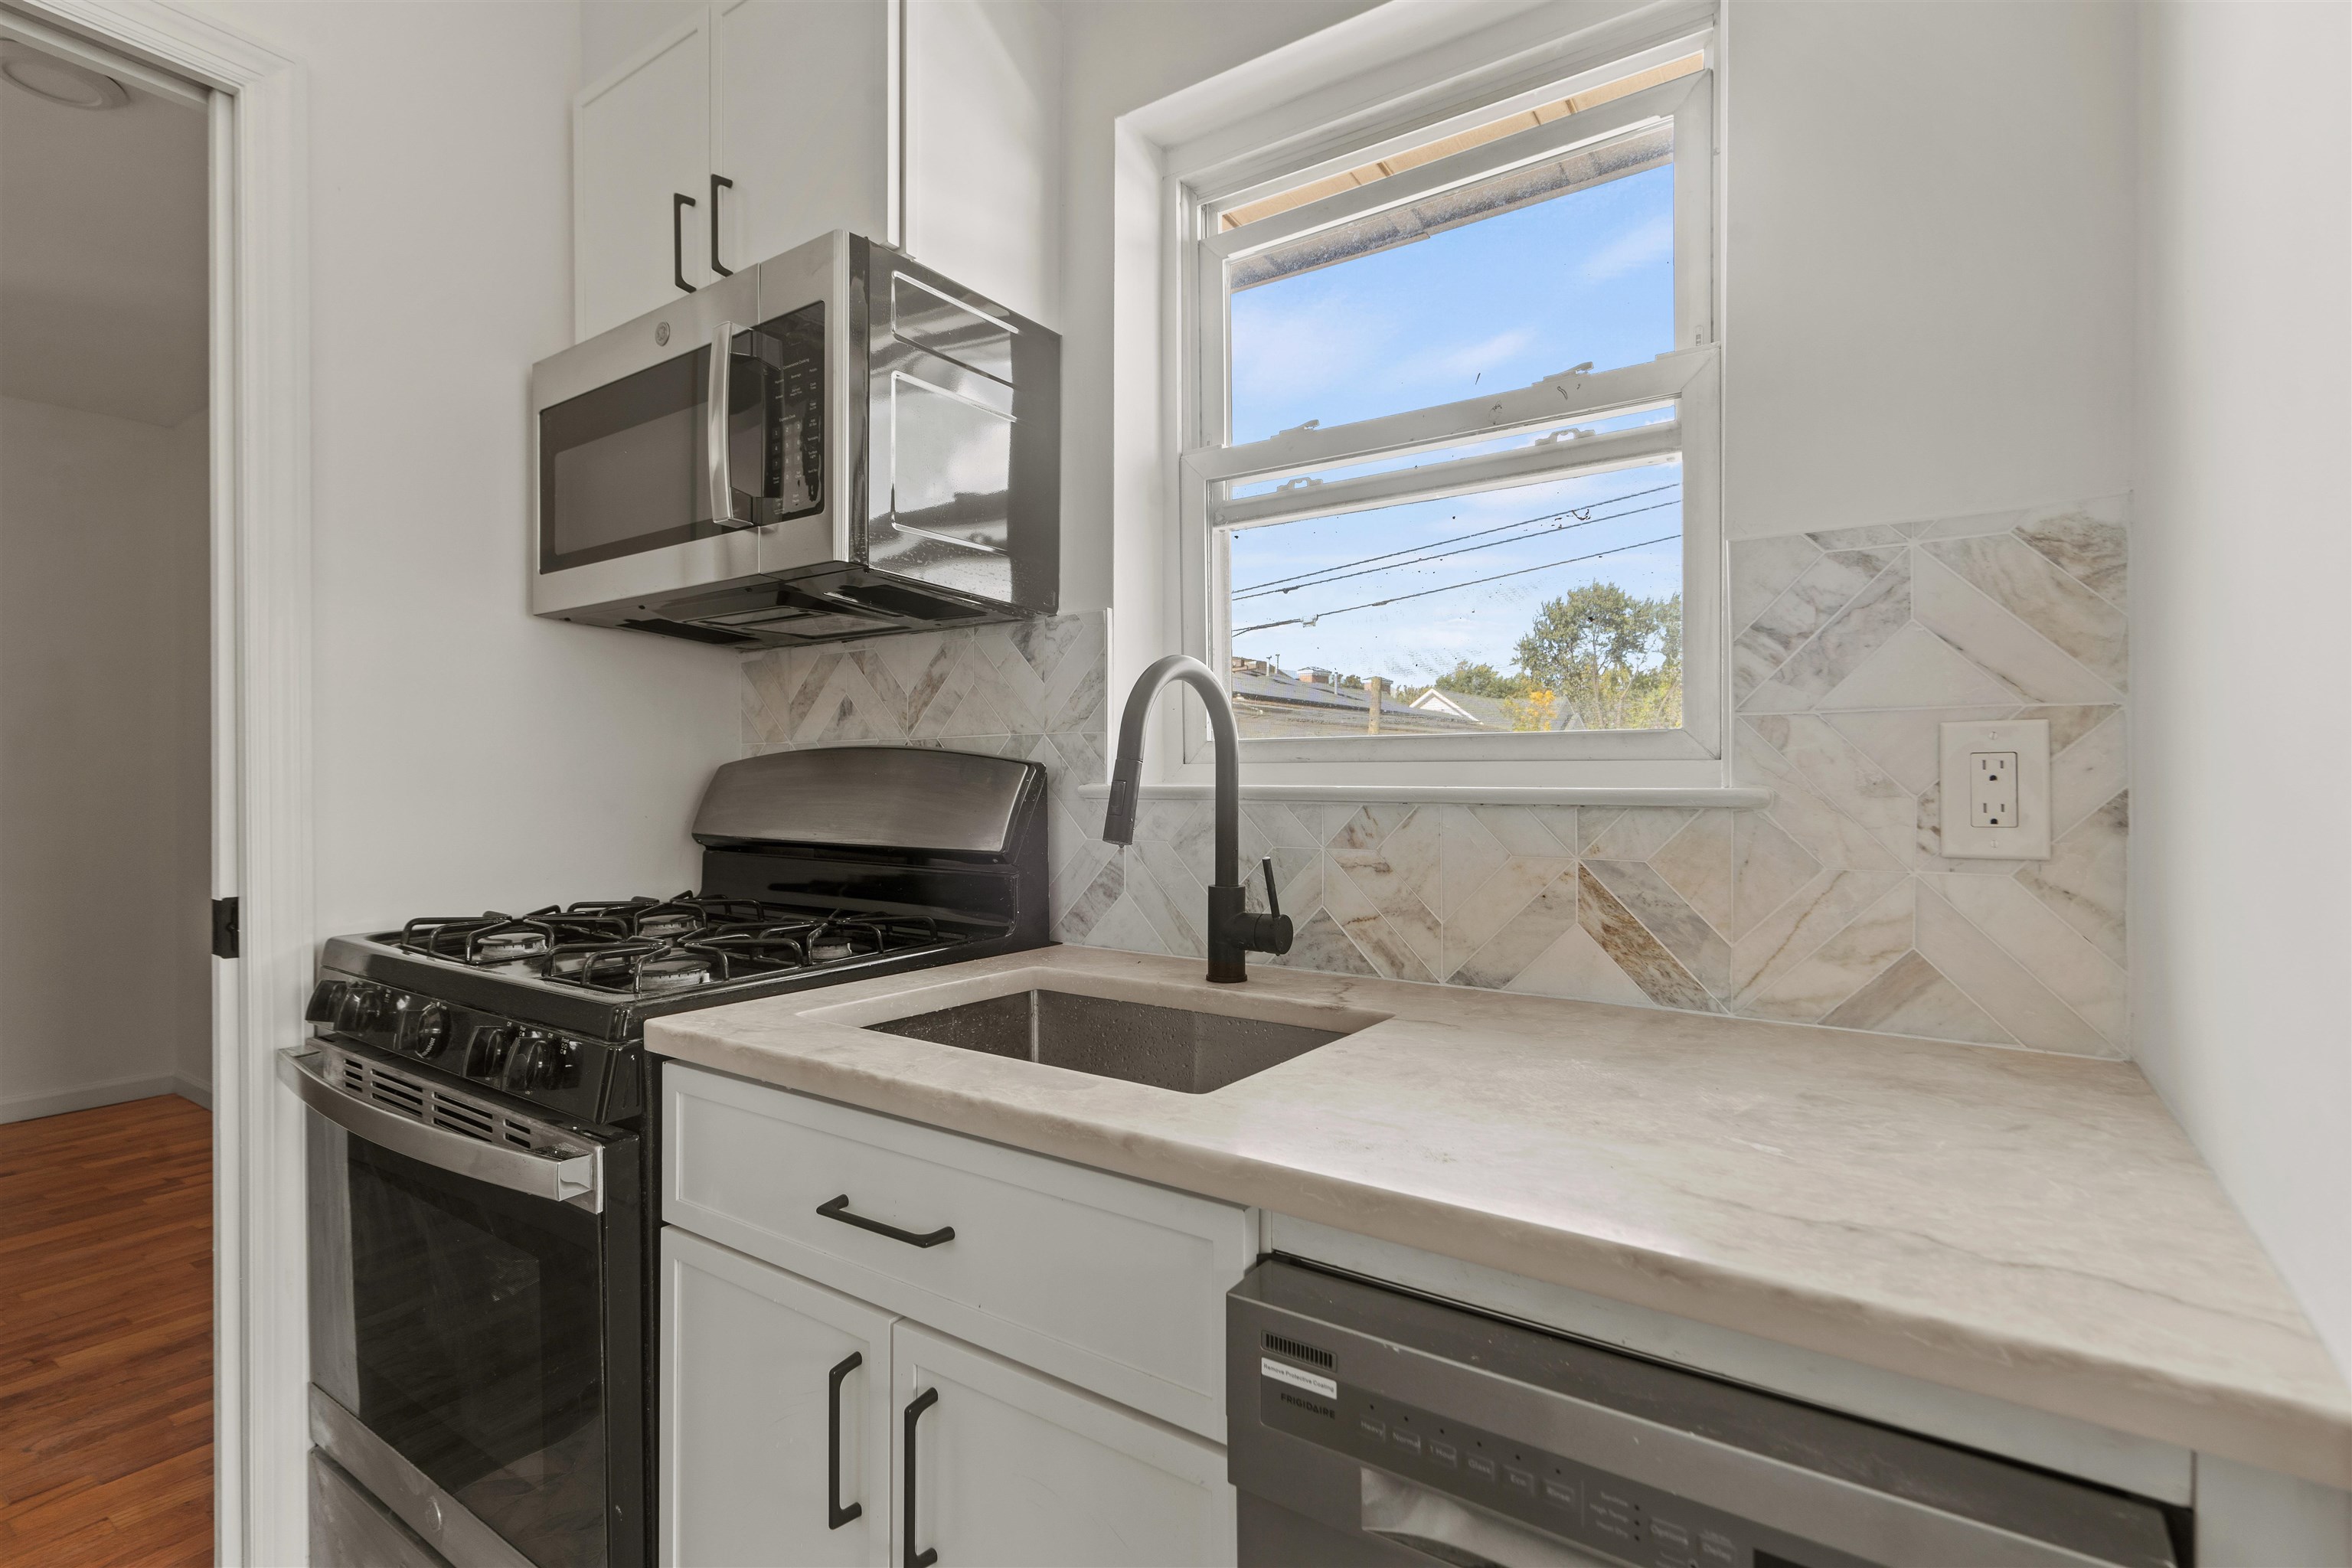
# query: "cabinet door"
[749,1401]
[805,121]
[640,139]
[984,148]
[1010,1468]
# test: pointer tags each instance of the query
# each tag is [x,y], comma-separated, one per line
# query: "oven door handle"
[560,1177]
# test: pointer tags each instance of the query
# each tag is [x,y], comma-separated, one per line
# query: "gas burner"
[492,938]
[678,971]
[573,962]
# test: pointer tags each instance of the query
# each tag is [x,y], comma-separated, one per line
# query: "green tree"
[1480,680]
[1604,659]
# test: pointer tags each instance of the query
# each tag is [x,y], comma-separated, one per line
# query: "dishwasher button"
[1716,1547]
[1521,1480]
[1444,1454]
[1409,1441]
[1376,1430]
[1613,1516]
[1482,1467]
[1561,1494]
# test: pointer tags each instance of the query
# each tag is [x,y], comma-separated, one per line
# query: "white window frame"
[1688,377]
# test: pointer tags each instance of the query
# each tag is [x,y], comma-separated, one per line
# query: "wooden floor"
[106,1337]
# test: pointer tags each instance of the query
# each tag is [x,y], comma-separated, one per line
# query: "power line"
[1449,554]
[1453,587]
[1252,589]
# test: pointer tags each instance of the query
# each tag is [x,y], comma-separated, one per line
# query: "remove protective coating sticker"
[1282,1372]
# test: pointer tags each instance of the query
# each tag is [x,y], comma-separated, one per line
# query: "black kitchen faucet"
[1234,932]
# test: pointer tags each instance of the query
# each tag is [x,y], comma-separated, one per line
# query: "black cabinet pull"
[839,1210]
[717,183]
[929,1554]
[835,1515]
[678,205]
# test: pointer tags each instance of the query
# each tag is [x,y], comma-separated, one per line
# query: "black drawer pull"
[929,1554]
[839,1210]
[835,1515]
[717,183]
[678,203]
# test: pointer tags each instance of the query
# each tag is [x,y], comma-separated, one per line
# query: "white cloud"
[1637,248]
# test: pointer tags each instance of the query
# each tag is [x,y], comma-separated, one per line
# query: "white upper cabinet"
[930,124]
[805,122]
[641,140]
[984,148]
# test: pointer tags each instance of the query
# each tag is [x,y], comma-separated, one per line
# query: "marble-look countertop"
[2031,1227]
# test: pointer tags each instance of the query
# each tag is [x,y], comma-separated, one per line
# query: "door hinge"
[224,928]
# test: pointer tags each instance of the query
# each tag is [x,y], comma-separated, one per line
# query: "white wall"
[469,755]
[1929,259]
[1116,58]
[2242,863]
[105,831]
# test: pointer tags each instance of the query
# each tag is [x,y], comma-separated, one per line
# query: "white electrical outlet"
[1996,790]
[1992,789]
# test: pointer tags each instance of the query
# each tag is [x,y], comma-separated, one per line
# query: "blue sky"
[1492,305]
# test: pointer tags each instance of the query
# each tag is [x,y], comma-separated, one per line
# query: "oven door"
[476,1348]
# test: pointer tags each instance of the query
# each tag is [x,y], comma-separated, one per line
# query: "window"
[1450,492]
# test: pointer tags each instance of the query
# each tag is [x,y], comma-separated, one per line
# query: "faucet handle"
[1272,903]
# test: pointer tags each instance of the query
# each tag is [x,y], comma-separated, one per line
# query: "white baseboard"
[28,1107]
[194,1089]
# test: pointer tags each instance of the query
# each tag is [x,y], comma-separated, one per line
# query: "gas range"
[483,1167]
[818,867]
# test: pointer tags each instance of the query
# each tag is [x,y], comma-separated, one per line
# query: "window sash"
[1686,104]
[1690,379]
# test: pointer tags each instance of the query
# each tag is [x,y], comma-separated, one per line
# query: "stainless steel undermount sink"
[1166,1047]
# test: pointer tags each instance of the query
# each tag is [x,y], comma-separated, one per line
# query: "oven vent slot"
[400,1093]
[460,1117]
[516,1133]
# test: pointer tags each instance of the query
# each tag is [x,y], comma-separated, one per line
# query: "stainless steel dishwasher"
[1372,1425]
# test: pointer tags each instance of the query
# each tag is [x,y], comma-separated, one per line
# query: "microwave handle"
[722,477]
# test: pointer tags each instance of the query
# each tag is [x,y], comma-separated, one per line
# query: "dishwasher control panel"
[1624,1519]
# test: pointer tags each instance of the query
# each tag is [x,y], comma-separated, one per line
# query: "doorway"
[106,809]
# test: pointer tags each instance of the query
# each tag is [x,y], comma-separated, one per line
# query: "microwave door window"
[622,469]
[477,1328]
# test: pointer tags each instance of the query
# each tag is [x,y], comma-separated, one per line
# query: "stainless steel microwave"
[835,443]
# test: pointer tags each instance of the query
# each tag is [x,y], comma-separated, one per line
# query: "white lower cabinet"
[1040,1347]
[765,1378]
[997,1465]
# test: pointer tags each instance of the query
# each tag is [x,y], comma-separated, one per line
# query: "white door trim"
[262,843]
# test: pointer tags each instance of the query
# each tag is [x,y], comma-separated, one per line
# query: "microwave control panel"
[792,349]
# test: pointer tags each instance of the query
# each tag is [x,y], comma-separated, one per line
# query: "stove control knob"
[425,1030]
[534,1062]
[326,1001]
[486,1057]
[363,1008]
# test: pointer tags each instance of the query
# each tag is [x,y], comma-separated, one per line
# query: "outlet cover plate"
[2029,840]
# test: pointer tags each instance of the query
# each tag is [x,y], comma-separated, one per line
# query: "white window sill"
[1719,797]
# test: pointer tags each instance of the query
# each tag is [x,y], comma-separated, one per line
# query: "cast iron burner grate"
[653,946]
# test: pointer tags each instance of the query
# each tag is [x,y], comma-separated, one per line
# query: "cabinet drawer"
[1113,1285]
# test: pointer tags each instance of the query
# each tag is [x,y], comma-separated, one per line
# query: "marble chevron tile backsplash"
[1833,905]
